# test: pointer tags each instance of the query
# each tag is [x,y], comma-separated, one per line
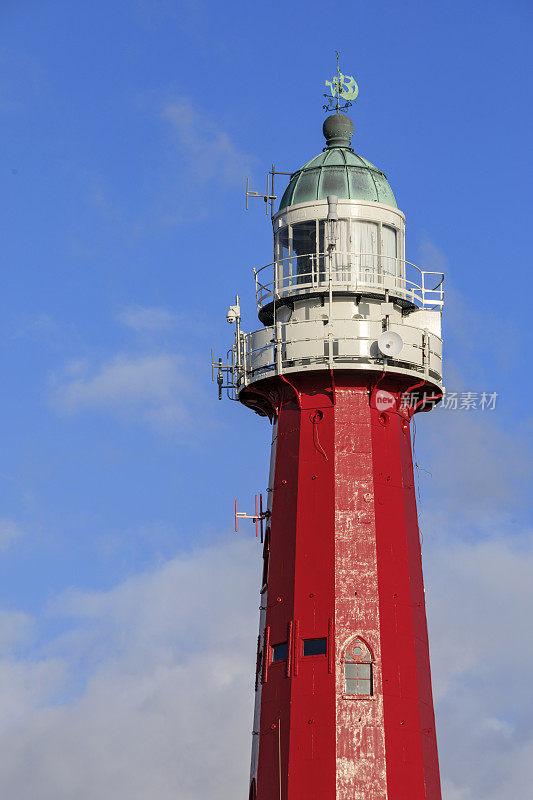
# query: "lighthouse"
[347,351]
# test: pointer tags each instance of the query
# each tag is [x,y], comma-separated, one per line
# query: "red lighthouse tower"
[349,350]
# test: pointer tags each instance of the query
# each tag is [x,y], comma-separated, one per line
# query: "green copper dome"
[338,171]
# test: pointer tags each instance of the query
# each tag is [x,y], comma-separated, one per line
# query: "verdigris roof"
[338,171]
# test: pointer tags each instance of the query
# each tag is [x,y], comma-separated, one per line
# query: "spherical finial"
[338,130]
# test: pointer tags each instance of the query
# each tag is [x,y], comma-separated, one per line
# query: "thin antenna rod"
[338,81]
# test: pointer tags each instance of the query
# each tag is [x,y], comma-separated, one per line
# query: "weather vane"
[342,87]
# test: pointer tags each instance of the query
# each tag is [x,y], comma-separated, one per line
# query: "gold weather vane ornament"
[342,87]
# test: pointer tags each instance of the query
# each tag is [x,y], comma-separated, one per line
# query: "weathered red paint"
[360,762]
[344,562]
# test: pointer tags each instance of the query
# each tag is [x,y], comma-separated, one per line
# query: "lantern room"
[339,206]
[339,293]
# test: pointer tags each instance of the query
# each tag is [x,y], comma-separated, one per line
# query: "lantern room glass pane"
[365,245]
[282,258]
[304,238]
[365,237]
[321,250]
[341,261]
[389,250]
[282,243]
[304,248]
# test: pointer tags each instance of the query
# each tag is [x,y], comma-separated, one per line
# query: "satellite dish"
[390,344]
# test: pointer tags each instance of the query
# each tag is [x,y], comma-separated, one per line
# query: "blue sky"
[128,129]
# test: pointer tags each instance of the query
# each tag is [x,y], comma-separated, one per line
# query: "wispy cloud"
[211,153]
[432,257]
[23,82]
[156,388]
[42,329]
[9,533]
[190,16]
[476,335]
[148,319]
[482,470]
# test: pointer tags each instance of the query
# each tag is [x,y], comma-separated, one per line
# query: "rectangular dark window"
[315,647]
[279,652]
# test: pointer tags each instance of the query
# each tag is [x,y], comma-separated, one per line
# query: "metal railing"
[291,345]
[351,272]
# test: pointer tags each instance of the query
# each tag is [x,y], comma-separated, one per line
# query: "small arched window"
[358,678]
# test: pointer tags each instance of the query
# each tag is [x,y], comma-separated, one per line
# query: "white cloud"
[15,628]
[166,710]
[151,320]
[9,533]
[25,686]
[479,601]
[211,154]
[156,388]
[25,683]
[156,681]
